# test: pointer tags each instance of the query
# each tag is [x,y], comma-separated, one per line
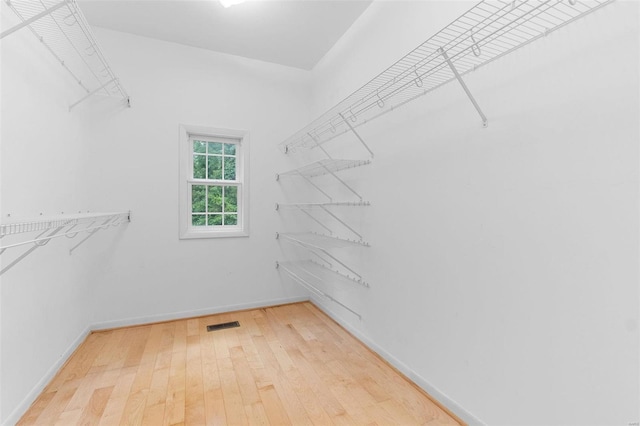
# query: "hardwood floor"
[284,365]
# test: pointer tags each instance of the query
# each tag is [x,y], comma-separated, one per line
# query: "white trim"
[22,408]
[440,396]
[242,181]
[127,322]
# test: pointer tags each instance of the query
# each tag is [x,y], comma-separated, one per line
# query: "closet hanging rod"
[63,30]
[486,32]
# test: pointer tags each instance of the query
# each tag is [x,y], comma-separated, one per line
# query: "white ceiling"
[295,33]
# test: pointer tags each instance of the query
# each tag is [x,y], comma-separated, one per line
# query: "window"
[213,183]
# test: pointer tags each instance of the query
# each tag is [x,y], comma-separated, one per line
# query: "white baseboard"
[22,408]
[127,322]
[440,396]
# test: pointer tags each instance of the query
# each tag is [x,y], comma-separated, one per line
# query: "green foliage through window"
[214,204]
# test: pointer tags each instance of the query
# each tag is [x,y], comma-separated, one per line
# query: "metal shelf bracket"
[353,130]
[443,52]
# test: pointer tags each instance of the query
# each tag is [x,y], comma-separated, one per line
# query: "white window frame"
[241,138]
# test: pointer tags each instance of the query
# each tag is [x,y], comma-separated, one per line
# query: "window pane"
[215,167]
[231,199]
[214,219]
[230,149]
[230,168]
[215,199]
[198,220]
[198,198]
[199,165]
[199,146]
[215,148]
[230,219]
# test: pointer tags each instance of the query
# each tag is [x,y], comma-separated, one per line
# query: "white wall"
[45,300]
[504,266]
[153,274]
[105,157]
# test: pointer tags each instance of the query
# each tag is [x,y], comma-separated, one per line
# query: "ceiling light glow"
[229,3]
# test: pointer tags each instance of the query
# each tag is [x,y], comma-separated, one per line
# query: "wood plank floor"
[284,365]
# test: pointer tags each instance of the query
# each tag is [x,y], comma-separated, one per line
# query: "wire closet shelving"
[324,167]
[311,209]
[328,166]
[48,228]
[64,32]
[320,241]
[488,31]
[309,275]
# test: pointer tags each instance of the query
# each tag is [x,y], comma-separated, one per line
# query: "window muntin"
[214,185]
[213,190]
[214,205]
[214,160]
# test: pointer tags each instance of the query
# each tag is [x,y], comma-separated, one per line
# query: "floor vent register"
[223,326]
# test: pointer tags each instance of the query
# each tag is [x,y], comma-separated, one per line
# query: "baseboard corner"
[37,389]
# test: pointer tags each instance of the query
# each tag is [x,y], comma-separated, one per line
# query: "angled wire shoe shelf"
[320,241]
[311,211]
[488,31]
[64,32]
[321,268]
[327,166]
[319,245]
[324,167]
[310,280]
[321,205]
[48,228]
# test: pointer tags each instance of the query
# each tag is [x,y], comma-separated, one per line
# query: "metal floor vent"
[222,326]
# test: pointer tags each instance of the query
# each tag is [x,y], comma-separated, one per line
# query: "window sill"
[193,234]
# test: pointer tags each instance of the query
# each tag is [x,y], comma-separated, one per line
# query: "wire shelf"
[310,281]
[486,32]
[320,270]
[63,30]
[319,241]
[324,167]
[20,226]
[55,227]
[321,205]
